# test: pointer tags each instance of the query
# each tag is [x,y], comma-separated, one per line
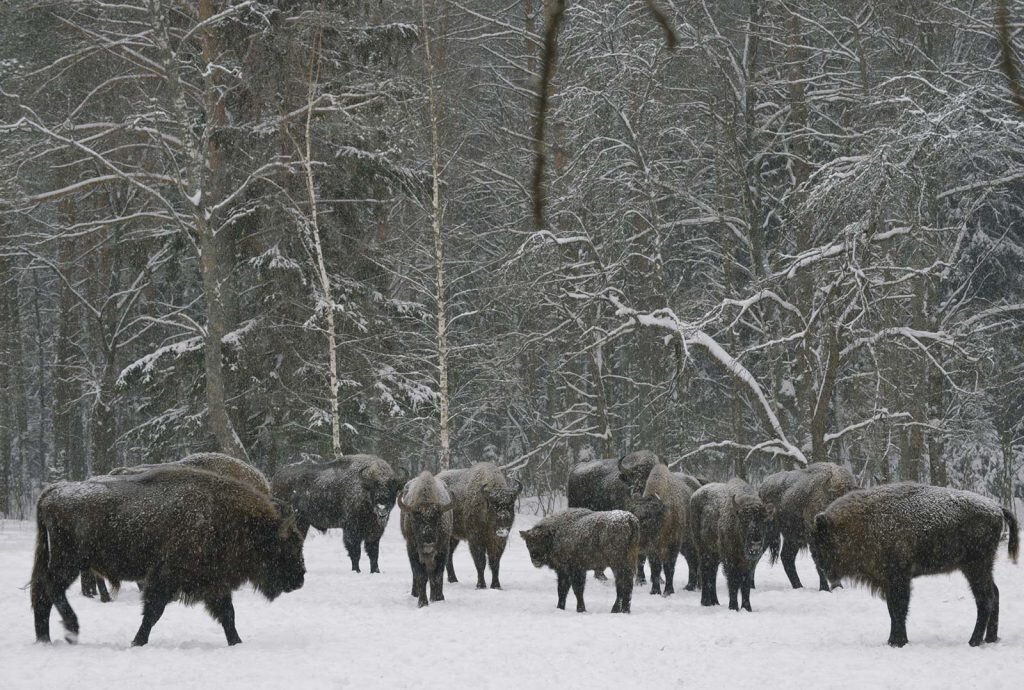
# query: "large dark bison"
[218,463]
[887,535]
[673,534]
[608,485]
[577,540]
[796,497]
[485,506]
[355,493]
[728,525]
[190,534]
[426,524]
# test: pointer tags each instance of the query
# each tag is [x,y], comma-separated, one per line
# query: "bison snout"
[427,548]
[501,532]
[381,509]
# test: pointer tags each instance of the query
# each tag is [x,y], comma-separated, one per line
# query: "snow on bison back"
[887,535]
[190,534]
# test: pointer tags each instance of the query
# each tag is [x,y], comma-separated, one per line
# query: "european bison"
[796,497]
[887,535]
[485,506]
[728,525]
[608,485]
[673,535]
[427,527]
[190,534]
[577,540]
[354,492]
[218,463]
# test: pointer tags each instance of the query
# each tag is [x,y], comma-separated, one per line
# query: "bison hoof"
[903,642]
[641,580]
[560,606]
[356,569]
[422,603]
[374,569]
[452,578]
[495,585]
[71,637]
[139,643]
[690,588]
[973,642]
[232,643]
[481,585]
[733,607]
[581,609]
[991,638]
[89,595]
[105,598]
[746,607]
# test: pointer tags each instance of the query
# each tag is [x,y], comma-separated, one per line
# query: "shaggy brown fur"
[577,540]
[485,506]
[218,463]
[796,497]
[673,536]
[729,525]
[427,527]
[190,534]
[887,535]
[354,492]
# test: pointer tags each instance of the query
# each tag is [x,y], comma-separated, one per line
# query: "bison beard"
[887,535]
[190,534]
[483,515]
[577,540]
[427,527]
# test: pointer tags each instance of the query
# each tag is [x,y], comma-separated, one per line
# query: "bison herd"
[198,529]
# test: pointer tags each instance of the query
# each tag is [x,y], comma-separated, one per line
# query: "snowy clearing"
[346,629]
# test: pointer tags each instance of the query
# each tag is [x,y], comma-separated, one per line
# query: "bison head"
[425,522]
[501,503]
[380,492]
[282,569]
[752,520]
[538,543]
[634,470]
[823,548]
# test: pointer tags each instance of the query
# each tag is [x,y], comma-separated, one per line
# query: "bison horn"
[621,469]
[401,503]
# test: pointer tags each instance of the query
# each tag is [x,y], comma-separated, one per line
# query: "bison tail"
[774,547]
[42,557]
[1014,540]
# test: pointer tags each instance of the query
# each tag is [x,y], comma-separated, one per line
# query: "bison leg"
[419,579]
[640,579]
[732,582]
[692,569]
[88,583]
[655,576]
[563,588]
[992,630]
[101,585]
[56,585]
[898,601]
[789,551]
[479,554]
[437,582]
[373,551]
[600,576]
[669,567]
[223,611]
[352,546]
[155,600]
[746,584]
[451,560]
[579,581]
[41,606]
[623,591]
[982,585]
[494,552]
[708,586]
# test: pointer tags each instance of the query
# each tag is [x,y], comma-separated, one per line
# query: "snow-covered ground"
[346,629]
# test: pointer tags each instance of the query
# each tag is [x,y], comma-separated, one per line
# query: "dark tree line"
[275,228]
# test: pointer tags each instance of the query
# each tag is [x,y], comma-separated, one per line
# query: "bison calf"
[728,525]
[887,535]
[577,540]
[190,534]
[427,527]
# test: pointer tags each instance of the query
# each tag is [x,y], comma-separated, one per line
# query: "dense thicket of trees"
[286,227]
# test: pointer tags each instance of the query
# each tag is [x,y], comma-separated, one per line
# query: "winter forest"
[771,234]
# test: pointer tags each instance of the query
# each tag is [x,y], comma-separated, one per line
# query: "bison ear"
[402,476]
